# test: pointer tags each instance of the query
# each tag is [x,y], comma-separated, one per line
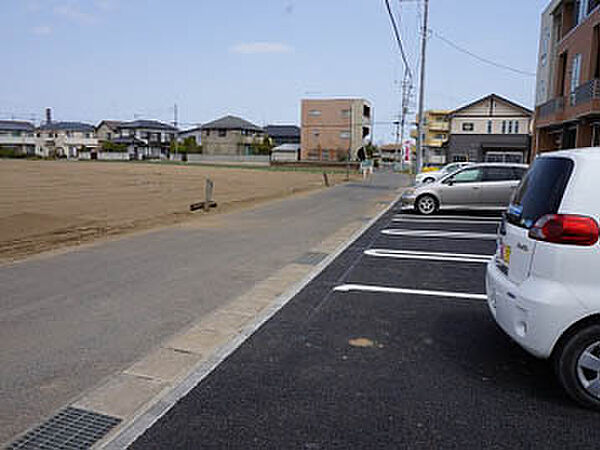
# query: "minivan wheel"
[578,367]
[427,204]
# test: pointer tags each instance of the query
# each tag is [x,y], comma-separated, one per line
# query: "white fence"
[106,156]
[228,159]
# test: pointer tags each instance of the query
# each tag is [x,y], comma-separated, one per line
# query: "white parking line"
[430,256]
[438,234]
[392,290]
[449,218]
[435,220]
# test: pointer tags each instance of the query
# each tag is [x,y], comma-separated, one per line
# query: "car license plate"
[505,253]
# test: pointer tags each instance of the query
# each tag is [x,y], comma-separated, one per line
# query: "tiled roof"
[152,124]
[276,131]
[231,123]
[16,125]
[67,126]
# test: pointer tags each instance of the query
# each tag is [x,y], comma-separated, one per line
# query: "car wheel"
[427,204]
[578,367]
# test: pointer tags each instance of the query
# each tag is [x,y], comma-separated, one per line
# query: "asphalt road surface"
[367,356]
[70,320]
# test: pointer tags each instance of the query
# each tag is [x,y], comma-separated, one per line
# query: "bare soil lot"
[45,205]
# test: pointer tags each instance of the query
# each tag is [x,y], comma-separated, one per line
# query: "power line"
[480,58]
[398,38]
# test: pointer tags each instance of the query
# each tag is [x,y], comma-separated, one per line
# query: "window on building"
[87,135]
[504,127]
[208,132]
[68,133]
[314,113]
[510,126]
[468,126]
[516,128]
[489,127]
[345,134]
[108,136]
[222,133]
[575,76]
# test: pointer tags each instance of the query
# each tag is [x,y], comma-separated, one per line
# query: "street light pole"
[422,90]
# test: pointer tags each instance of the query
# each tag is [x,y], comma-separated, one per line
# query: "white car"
[430,177]
[543,284]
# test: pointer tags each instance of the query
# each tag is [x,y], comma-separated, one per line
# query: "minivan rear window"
[541,191]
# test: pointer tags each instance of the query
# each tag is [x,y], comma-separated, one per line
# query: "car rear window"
[541,191]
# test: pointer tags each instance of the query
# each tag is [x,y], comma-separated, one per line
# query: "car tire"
[426,204]
[577,365]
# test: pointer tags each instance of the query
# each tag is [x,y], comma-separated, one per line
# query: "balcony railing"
[586,92]
[551,107]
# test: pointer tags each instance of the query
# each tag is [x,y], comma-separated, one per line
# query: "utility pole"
[422,90]
[176,130]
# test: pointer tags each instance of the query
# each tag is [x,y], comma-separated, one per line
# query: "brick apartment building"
[567,113]
[332,129]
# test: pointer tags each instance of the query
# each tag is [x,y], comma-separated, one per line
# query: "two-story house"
[17,137]
[143,139]
[65,139]
[491,129]
[230,135]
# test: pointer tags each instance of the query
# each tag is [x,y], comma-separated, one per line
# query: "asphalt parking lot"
[391,346]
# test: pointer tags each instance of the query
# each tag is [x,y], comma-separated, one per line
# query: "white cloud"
[41,30]
[74,14]
[105,5]
[251,48]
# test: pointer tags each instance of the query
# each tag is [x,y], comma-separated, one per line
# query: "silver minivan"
[479,186]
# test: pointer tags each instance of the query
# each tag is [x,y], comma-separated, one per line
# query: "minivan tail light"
[565,229]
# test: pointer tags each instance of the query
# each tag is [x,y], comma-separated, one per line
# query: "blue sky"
[119,59]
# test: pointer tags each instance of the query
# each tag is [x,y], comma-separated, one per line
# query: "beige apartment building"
[333,129]
[436,130]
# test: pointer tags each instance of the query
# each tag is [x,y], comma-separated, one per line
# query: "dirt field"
[50,204]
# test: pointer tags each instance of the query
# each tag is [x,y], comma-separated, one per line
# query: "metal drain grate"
[311,258]
[70,429]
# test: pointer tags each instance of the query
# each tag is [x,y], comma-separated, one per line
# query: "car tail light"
[565,229]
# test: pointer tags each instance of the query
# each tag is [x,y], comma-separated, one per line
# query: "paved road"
[70,320]
[357,361]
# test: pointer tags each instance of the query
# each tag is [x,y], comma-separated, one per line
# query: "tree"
[188,145]
[109,146]
[371,150]
[262,147]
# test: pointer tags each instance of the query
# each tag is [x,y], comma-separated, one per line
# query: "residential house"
[17,136]
[492,129]
[195,133]
[334,129]
[65,139]
[436,130]
[283,134]
[567,112]
[230,135]
[108,130]
[146,139]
